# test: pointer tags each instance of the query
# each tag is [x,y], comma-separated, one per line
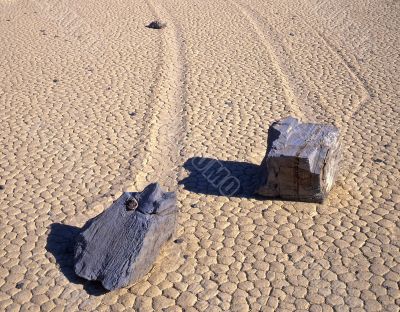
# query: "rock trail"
[166,123]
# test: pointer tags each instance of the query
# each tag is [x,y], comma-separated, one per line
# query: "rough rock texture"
[301,162]
[119,246]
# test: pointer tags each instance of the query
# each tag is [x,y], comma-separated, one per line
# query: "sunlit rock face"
[301,162]
[120,245]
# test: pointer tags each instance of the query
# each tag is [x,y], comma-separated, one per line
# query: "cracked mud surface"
[94,103]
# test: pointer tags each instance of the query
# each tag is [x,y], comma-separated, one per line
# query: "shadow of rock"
[221,177]
[60,243]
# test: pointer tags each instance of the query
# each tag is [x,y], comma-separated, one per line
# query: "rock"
[301,162]
[157,25]
[119,246]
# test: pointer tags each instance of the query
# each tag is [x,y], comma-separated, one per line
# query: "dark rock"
[301,162]
[119,246]
[178,241]
[2,187]
[157,25]
[55,80]
[131,204]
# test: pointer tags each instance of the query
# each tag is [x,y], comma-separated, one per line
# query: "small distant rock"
[291,34]
[19,285]
[157,25]
[178,241]
[132,114]
[2,187]
[193,205]
[55,80]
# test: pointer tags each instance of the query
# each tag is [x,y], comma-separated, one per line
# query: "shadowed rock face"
[119,246]
[301,162]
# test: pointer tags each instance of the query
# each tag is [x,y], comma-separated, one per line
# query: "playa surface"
[93,103]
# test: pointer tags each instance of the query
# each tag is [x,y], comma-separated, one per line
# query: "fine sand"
[93,103]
